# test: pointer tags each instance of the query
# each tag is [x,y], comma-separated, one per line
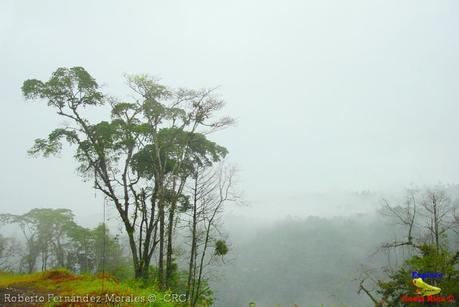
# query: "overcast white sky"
[330,96]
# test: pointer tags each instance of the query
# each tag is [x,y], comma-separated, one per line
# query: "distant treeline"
[50,238]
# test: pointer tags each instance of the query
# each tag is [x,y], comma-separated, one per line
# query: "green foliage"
[44,231]
[108,254]
[62,282]
[206,297]
[53,144]
[96,250]
[143,154]
[148,88]
[172,143]
[54,234]
[430,260]
[177,283]
[221,248]
[69,87]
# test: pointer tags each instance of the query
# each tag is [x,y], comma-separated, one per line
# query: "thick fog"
[330,97]
[338,105]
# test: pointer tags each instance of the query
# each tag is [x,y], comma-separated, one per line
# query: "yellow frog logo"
[424,288]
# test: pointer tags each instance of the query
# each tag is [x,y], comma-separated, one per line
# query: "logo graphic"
[426,275]
[424,288]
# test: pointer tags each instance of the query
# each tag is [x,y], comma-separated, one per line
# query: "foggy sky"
[329,96]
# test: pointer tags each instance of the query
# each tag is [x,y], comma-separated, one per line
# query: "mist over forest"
[298,260]
[292,259]
[242,153]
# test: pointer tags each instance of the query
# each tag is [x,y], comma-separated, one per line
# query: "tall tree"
[140,158]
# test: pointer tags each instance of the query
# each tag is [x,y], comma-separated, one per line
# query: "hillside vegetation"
[63,288]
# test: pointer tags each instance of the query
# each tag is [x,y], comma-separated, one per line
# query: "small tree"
[427,224]
[211,190]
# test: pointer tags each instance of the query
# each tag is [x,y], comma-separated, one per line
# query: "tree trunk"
[170,228]
[162,283]
[193,240]
[201,264]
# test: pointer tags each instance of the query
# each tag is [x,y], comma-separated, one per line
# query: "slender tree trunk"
[60,253]
[31,258]
[30,265]
[436,232]
[193,239]
[170,227]
[161,213]
[195,267]
[201,264]
[133,247]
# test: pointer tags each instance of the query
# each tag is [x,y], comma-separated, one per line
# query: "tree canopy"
[141,156]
